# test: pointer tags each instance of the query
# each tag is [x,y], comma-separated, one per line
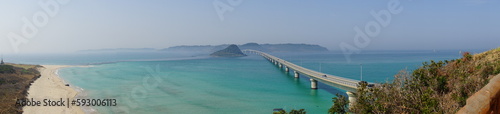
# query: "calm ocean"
[158,82]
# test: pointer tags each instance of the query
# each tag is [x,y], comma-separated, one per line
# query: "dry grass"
[24,66]
[14,86]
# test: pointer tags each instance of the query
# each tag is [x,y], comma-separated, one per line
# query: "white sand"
[51,86]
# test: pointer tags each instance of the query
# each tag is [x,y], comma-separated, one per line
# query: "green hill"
[230,51]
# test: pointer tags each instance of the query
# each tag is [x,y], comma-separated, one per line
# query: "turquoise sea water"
[167,84]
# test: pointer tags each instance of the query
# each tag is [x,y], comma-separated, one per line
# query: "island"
[230,51]
[254,46]
[204,49]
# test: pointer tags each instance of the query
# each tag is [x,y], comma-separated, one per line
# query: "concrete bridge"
[350,85]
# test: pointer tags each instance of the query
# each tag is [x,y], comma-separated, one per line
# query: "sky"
[28,26]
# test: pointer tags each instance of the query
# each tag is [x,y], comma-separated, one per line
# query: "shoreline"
[51,86]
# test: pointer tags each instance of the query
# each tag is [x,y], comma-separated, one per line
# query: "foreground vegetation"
[293,111]
[436,87]
[14,83]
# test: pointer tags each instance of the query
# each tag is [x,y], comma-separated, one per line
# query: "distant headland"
[260,47]
[288,47]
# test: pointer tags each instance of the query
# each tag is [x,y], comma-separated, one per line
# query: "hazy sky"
[93,24]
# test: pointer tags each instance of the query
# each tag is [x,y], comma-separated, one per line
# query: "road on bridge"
[332,80]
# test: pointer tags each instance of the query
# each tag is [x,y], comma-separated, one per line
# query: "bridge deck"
[332,80]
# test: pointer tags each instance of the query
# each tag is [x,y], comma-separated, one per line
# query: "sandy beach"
[51,86]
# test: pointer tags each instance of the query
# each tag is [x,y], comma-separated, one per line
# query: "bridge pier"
[314,84]
[352,98]
[280,65]
[296,74]
[287,69]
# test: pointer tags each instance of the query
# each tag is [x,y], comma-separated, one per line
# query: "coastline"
[51,86]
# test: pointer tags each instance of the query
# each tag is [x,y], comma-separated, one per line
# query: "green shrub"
[293,111]
[340,105]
